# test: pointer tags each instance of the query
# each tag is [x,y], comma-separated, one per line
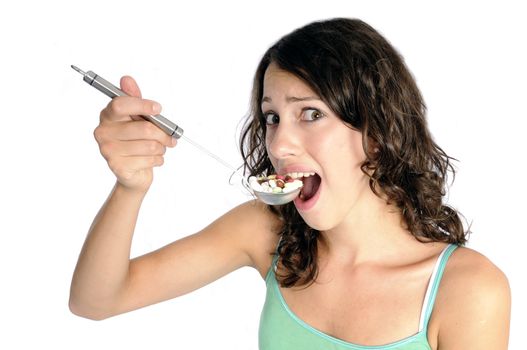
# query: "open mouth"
[310,188]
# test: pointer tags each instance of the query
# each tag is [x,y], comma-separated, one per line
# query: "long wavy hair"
[364,81]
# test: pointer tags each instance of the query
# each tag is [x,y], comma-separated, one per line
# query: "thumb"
[129,86]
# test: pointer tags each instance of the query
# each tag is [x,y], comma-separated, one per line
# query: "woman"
[367,254]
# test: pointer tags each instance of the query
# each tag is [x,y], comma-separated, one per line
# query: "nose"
[282,141]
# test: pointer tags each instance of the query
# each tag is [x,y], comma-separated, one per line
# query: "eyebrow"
[290,99]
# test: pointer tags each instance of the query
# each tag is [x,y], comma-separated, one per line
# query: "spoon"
[271,198]
[285,195]
[277,198]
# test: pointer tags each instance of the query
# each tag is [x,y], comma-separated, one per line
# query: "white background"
[198,60]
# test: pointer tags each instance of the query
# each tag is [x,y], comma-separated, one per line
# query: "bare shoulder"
[472,308]
[257,229]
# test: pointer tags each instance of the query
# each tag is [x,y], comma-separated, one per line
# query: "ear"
[373,148]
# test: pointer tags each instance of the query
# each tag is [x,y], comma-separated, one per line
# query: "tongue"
[310,187]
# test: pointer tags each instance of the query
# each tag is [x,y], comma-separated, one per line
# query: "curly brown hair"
[364,81]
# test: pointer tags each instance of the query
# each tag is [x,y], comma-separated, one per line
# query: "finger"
[129,86]
[121,108]
[133,164]
[133,130]
[132,148]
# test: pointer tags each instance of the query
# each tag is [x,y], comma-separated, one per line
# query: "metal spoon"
[277,198]
[274,198]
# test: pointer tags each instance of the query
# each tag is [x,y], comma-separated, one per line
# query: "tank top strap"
[433,286]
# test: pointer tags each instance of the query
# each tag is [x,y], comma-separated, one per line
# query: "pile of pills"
[274,183]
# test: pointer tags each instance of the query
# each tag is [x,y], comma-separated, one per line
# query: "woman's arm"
[103,263]
[106,282]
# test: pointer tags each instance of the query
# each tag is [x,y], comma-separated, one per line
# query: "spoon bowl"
[277,198]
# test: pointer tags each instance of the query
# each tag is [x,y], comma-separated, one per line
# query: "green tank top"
[281,329]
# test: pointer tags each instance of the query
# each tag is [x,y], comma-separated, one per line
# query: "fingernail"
[174,141]
[156,108]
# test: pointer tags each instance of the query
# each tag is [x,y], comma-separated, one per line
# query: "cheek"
[354,145]
[268,141]
[357,150]
[345,150]
[343,160]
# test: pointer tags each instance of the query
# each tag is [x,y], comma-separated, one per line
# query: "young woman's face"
[305,136]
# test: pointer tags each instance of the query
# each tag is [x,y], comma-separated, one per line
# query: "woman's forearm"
[102,268]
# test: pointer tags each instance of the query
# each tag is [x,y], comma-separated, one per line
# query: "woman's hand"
[131,145]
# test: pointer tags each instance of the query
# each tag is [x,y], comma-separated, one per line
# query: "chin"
[319,225]
[318,219]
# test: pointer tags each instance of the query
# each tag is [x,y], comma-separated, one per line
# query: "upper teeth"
[299,175]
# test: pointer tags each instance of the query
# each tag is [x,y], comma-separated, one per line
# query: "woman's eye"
[311,114]
[271,118]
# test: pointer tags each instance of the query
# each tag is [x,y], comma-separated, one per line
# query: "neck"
[373,231]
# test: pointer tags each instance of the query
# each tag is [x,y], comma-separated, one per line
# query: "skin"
[373,273]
